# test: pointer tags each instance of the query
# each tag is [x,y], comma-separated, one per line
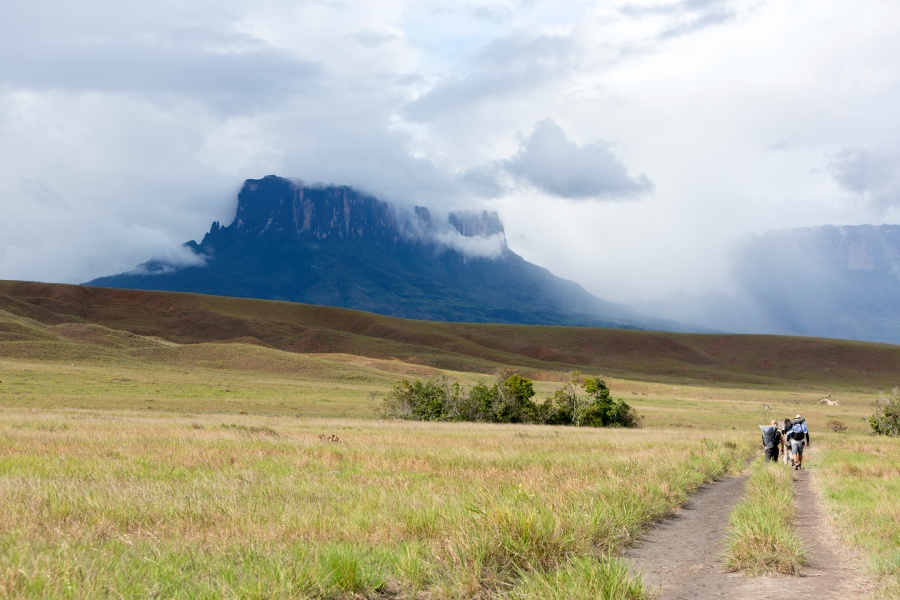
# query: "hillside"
[337,246]
[35,317]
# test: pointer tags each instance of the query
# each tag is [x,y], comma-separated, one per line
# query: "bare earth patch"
[682,557]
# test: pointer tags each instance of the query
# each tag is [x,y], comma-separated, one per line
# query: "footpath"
[682,556]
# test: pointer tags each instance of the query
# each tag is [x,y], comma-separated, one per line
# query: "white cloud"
[556,165]
[870,175]
[125,129]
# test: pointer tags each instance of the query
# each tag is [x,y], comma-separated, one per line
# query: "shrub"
[886,420]
[508,400]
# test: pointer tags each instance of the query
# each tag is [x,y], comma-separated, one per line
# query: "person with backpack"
[799,439]
[771,439]
[786,442]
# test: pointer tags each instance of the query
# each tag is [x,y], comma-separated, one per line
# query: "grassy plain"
[203,505]
[185,480]
[180,446]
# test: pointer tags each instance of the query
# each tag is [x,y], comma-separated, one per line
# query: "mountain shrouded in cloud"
[336,246]
[627,145]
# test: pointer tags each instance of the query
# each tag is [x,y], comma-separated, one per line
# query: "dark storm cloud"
[556,165]
[513,65]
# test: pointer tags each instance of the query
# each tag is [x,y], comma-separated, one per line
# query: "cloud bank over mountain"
[625,145]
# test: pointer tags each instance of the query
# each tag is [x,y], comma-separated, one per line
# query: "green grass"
[860,478]
[602,578]
[761,537]
[126,503]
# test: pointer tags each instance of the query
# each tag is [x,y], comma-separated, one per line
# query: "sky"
[625,145]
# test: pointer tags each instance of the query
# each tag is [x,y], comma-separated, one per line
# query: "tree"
[432,400]
[886,420]
[481,401]
[515,404]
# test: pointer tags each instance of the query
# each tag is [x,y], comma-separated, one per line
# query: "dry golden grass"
[121,498]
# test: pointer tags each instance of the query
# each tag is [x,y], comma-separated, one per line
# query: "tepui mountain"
[337,246]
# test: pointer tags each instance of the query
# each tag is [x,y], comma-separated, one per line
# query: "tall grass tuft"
[348,570]
[584,578]
[762,538]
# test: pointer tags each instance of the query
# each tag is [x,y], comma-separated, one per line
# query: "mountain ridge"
[337,246]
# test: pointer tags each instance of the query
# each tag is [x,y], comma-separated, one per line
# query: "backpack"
[769,436]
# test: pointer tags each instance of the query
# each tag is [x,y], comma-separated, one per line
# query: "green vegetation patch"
[508,400]
[762,538]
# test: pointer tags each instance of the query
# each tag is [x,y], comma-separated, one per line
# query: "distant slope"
[107,316]
[336,246]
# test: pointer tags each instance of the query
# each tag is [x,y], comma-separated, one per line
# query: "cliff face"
[336,246]
[275,208]
[279,207]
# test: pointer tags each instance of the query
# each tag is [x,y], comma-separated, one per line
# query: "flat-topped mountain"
[337,246]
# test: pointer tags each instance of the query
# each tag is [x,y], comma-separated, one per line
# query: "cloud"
[870,175]
[489,247]
[556,165]
[487,181]
[170,261]
[43,194]
[231,74]
[372,37]
[492,13]
[684,17]
[516,64]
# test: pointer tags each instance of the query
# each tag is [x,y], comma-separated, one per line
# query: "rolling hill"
[64,322]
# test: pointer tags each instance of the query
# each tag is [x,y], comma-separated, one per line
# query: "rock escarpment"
[337,246]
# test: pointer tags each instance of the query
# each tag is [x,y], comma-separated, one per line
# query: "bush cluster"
[886,420]
[509,399]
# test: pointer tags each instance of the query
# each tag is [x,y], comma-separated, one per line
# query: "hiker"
[771,439]
[786,442]
[799,439]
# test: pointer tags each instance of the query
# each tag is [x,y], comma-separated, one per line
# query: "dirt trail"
[682,556]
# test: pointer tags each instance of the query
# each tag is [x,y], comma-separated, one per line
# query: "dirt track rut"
[682,557]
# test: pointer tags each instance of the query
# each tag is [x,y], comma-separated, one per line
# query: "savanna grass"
[860,479]
[131,504]
[761,538]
